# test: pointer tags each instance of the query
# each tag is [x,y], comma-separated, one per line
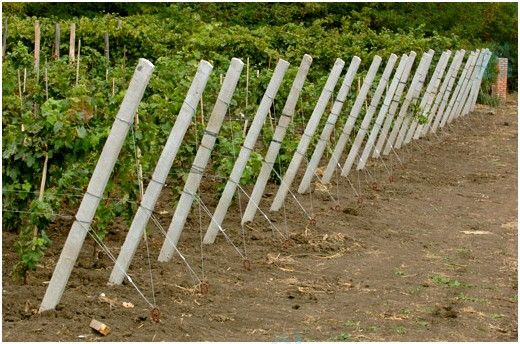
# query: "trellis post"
[466,87]
[37,49]
[432,112]
[164,164]
[276,142]
[360,136]
[97,184]
[393,106]
[201,159]
[457,62]
[245,151]
[305,140]
[421,70]
[407,118]
[57,38]
[382,112]
[72,42]
[341,97]
[427,99]
[351,120]
[456,92]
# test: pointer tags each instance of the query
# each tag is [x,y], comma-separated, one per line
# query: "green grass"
[450,282]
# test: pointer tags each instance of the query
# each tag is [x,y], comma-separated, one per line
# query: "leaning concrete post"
[352,117]
[276,142]
[382,112]
[446,96]
[305,184]
[456,92]
[245,151]
[455,63]
[428,97]
[305,140]
[422,68]
[466,88]
[407,118]
[479,81]
[473,83]
[368,116]
[393,106]
[201,160]
[164,164]
[98,181]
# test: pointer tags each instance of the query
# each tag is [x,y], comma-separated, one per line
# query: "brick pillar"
[500,87]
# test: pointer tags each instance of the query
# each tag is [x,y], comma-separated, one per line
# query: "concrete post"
[369,114]
[276,142]
[201,160]
[455,63]
[479,81]
[305,184]
[382,112]
[449,108]
[164,164]
[57,38]
[349,125]
[245,151]
[72,42]
[473,83]
[97,184]
[393,106]
[446,95]
[470,77]
[429,96]
[311,127]
[422,68]
[37,37]
[407,117]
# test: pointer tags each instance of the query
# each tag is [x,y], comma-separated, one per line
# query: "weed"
[400,330]
[452,283]
[342,336]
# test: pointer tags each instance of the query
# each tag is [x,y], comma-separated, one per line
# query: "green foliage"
[71,124]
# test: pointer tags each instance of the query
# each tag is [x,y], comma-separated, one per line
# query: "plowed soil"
[422,246]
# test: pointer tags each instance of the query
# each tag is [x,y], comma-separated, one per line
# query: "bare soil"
[427,251]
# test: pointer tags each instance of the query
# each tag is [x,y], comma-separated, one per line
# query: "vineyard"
[246,99]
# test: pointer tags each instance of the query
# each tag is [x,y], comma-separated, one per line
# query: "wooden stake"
[19,87]
[247,83]
[24,78]
[4,40]
[202,121]
[72,42]
[37,49]
[100,327]
[57,37]
[107,47]
[42,188]
[46,82]
[77,62]
[113,87]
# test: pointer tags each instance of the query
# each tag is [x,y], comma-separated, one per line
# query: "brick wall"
[500,87]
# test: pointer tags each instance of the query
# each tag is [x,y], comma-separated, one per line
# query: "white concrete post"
[455,63]
[369,114]
[382,112]
[476,87]
[479,80]
[351,120]
[446,95]
[201,159]
[455,93]
[407,118]
[473,83]
[276,142]
[305,183]
[97,184]
[428,97]
[393,106]
[421,70]
[470,77]
[245,151]
[164,164]
[305,140]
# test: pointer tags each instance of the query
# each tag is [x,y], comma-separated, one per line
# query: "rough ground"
[429,254]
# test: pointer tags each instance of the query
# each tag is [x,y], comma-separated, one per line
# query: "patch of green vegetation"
[343,336]
[445,280]
[398,272]
[400,330]
[496,316]
[423,323]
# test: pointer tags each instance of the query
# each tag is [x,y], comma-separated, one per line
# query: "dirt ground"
[427,251]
